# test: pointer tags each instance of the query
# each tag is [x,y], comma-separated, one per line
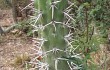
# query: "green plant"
[25,27]
[100,14]
[87,38]
[54,20]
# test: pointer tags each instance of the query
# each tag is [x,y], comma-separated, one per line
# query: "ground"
[12,45]
[6,17]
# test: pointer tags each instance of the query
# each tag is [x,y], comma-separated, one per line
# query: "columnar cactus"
[53,22]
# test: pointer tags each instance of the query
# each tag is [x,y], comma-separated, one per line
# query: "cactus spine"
[52,21]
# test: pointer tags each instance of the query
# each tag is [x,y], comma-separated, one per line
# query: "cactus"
[52,20]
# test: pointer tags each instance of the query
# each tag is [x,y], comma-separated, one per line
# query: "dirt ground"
[12,45]
[6,17]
